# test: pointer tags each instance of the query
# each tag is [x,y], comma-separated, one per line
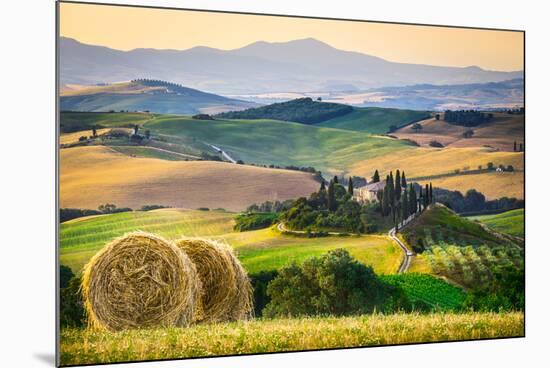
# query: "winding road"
[224,154]
[403,267]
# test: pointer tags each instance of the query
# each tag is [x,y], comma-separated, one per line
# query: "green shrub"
[254,221]
[259,284]
[65,275]
[333,284]
[71,313]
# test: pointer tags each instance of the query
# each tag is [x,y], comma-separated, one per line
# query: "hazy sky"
[126,28]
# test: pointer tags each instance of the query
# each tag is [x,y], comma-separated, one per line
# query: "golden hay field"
[499,134]
[421,161]
[493,185]
[70,138]
[94,175]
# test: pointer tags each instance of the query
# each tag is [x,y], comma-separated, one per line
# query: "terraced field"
[259,250]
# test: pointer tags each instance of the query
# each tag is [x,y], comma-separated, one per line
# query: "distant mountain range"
[296,66]
[146,95]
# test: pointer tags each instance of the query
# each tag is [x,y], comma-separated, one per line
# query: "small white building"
[368,192]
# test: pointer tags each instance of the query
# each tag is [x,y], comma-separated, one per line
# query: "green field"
[427,289]
[80,346]
[258,250]
[75,121]
[277,142]
[148,152]
[510,222]
[374,120]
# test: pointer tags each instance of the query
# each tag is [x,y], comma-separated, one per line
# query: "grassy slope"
[454,226]
[429,290]
[459,250]
[510,222]
[374,120]
[421,161]
[79,346]
[112,177]
[500,133]
[281,143]
[259,250]
[75,121]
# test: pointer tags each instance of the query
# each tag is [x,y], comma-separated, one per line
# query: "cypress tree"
[331,200]
[350,186]
[386,201]
[397,185]
[426,196]
[431,194]
[376,177]
[335,179]
[323,187]
[390,184]
[403,180]
[405,204]
[515,146]
[413,206]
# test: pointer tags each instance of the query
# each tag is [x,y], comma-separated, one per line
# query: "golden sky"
[126,28]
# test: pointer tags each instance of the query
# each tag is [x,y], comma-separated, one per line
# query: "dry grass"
[139,281]
[499,133]
[493,185]
[226,292]
[111,177]
[85,347]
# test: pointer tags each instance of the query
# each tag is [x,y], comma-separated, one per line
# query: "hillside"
[146,95]
[459,250]
[78,121]
[275,142]
[301,110]
[374,120]
[500,133]
[440,165]
[111,177]
[510,222]
[259,250]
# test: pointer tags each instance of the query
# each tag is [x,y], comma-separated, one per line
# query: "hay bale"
[226,292]
[137,281]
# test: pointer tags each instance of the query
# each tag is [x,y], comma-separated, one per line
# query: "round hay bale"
[226,292]
[137,281]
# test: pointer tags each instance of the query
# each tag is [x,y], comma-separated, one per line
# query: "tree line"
[468,118]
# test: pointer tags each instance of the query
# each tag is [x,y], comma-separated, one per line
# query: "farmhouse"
[369,191]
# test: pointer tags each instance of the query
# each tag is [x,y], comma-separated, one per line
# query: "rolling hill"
[510,222]
[374,120]
[458,249]
[438,165]
[298,65]
[500,133]
[276,142]
[146,95]
[301,110]
[107,176]
[259,250]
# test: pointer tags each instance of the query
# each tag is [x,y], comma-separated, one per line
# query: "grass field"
[420,162]
[108,176]
[510,222]
[76,121]
[430,290]
[151,152]
[374,120]
[500,133]
[79,346]
[258,250]
[281,143]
